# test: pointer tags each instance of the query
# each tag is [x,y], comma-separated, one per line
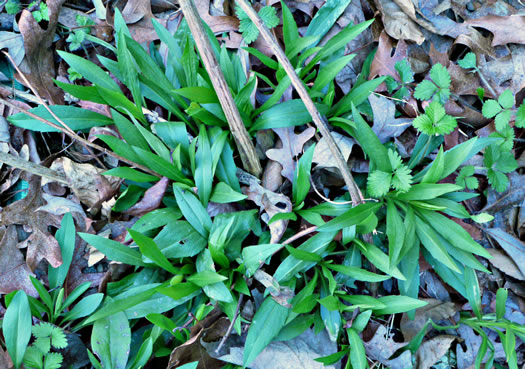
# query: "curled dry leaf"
[14,273]
[39,58]
[435,310]
[269,202]
[431,351]
[91,187]
[397,23]
[40,244]
[292,146]
[323,155]
[506,30]
[384,62]
[138,14]
[505,264]
[382,346]
[513,246]
[151,200]
[218,23]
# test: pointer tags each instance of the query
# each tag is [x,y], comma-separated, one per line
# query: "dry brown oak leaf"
[39,60]
[41,244]
[384,63]
[506,30]
[14,273]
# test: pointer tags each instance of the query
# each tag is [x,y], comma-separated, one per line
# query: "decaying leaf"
[292,146]
[87,183]
[219,23]
[505,264]
[386,125]
[514,247]
[40,244]
[435,310]
[14,43]
[506,30]
[384,62]
[323,155]
[138,14]
[152,199]
[39,53]
[14,273]
[382,346]
[397,23]
[269,202]
[298,353]
[431,351]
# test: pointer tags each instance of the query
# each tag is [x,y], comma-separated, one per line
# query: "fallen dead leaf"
[431,351]
[39,58]
[218,24]
[14,43]
[151,200]
[40,244]
[397,23]
[323,156]
[384,62]
[14,272]
[382,346]
[513,246]
[292,146]
[504,263]
[506,30]
[435,310]
[138,16]
[386,125]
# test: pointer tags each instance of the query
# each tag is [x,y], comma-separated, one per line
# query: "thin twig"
[42,102]
[298,235]
[79,138]
[249,157]
[32,168]
[232,323]
[319,121]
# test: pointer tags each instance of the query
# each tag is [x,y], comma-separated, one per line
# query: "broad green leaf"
[254,256]
[217,291]
[179,291]
[65,237]
[364,302]
[287,114]
[111,340]
[290,31]
[356,96]
[501,301]
[89,71]
[266,60]
[301,184]
[162,166]
[203,167]
[130,174]
[193,211]
[201,95]
[473,292]
[303,255]
[223,194]
[395,231]
[427,191]
[149,249]
[16,327]
[206,278]
[128,69]
[113,250]
[88,93]
[370,143]
[379,259]
[436,170]
[121,148]
[351,217]
[266,324]
[42,292]
[328,72]
[398,304]
[358,273]
[77,119]
[430,241]
[357,350]
[290,266]
[143,355]
[84,307]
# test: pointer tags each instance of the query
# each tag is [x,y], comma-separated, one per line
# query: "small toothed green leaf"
[378,183]
[502,120]
[53,360]
[506,136]
[43,329]
[425,90]
[506,99]
[395,159]
[440,76]
[490,108]
[468,61]
[466,179]
[402,180]
[435,121]
[520,116]
[249,30]
[404,70]
[497,180]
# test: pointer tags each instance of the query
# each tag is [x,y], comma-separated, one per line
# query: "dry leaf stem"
[355,193]
[32,168]
[82,140]
[245,145]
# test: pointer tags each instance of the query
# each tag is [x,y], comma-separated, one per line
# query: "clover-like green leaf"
[249,31]
[466,178]
[425,90]
[506,99]
[378,183]
[435,121]
[402,179]
[468,61]
[520,116]
[440,76]
[490,108]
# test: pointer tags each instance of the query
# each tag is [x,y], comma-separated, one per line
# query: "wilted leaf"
[323,155]
[382,346]
[292,146]
[506,30]
[505,264]
[14,273]
[152,199]
[386,125]
[435,310]
[14,43]
[137,13]
[431,351]
[384,62]
[39,53]
[397,23]
[514,247]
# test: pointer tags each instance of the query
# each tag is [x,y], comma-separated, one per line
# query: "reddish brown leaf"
[218,24]
[14,273]
[384,62]
[138,15]
[151,200]
[39,54]
[506,30]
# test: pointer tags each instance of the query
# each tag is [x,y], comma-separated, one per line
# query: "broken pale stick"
[32,168]
[355,193]
[245,145]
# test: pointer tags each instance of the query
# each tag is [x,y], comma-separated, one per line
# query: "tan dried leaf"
[506,30]
[431,351]
[435,310]
[397,23]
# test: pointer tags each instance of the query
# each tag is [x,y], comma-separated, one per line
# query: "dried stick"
[232,323]
[245,145]
[355,193]
[82,140]
[32,168]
